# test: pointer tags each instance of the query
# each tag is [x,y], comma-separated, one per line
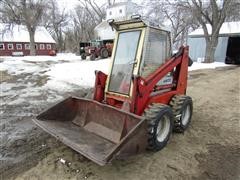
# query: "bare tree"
[212,13]
[235,13]
[26,12]
[167,11]
[110,2]
[180,21]
[92,7]
[55,21]
[84,20]
[186,14]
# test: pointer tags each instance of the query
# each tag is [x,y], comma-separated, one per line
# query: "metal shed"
[228,48]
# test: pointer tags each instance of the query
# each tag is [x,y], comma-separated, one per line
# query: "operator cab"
[139,49]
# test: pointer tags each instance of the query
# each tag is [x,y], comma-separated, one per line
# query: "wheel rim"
[186,115]
[105,54]
[163,128]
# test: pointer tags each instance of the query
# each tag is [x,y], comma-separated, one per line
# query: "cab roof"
[135,23]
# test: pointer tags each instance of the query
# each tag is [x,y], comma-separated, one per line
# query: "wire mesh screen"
[156,50]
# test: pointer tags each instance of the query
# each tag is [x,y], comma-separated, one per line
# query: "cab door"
[125,63]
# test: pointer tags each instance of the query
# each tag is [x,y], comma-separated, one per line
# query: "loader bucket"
[97,131]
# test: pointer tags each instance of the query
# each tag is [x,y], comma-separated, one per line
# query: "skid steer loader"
[136,106]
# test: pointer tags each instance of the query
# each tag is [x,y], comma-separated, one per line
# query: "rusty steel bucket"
[97,131]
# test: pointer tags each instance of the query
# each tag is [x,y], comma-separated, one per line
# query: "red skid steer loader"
[134,108]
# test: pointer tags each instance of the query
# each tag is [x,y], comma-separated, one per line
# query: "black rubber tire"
[154,114]
[104,53]
[179,104]
[83,56]
[92,57]
[190,61]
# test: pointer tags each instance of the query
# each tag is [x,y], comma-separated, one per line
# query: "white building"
[118,11]
[121,10]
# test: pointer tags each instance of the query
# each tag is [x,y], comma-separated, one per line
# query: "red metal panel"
[163,98]
[183,72]
[99,86]
[142,88]
[145,86]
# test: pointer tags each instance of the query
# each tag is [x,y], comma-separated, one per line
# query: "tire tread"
[176,104]
[150,115]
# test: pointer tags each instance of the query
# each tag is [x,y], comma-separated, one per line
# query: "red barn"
[15,41]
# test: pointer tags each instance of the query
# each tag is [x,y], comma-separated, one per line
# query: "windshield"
[123,63]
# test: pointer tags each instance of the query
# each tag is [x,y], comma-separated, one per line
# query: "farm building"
[118,11]
[15,41]
[228,48]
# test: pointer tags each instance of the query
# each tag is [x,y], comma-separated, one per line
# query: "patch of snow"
[62,160]
[198,65]
[5,87]
[17,101]
[34,64]
[68,57]
[81,73]
[60,85]
[16,67]
[54,98]
[34,92]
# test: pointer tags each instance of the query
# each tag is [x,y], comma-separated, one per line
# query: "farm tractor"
[134,108]
[95,49]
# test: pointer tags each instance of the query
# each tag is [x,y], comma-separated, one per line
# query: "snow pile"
[197,65]
[34,64]
[17,67]
[68,57]
[65,75]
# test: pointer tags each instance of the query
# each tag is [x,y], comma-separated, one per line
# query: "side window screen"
[156,51]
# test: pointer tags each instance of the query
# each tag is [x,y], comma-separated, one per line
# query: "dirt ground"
[209,149]
[22,97]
